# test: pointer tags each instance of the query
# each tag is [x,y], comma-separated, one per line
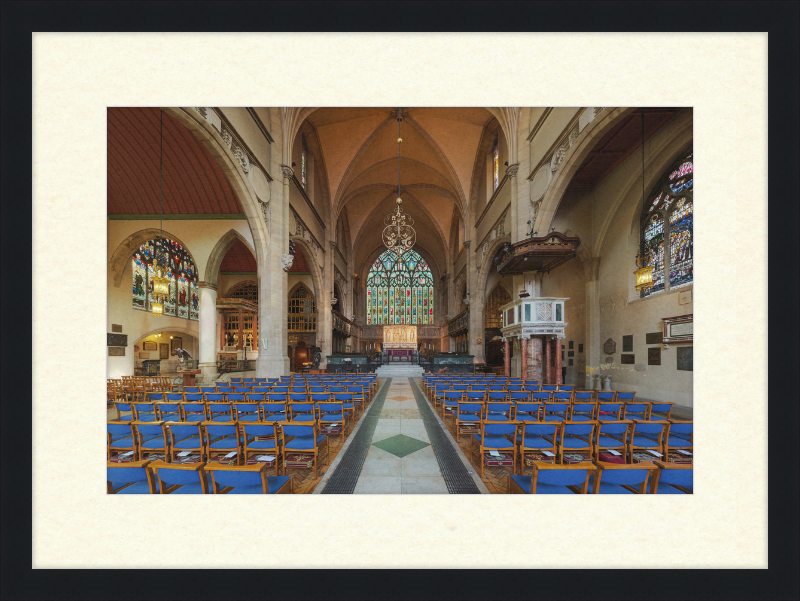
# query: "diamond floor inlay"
[401,445]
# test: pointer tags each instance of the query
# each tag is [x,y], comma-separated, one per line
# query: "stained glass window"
[399,289]
[667,221]
[496,159]
[184,299]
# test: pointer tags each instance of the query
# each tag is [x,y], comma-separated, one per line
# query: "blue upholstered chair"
[246,412]
[223,438]
[672,479]
[612,435]
[609,411]
[450,400]
[679,437]
[304,439]
[659,407]
[246,480]
[620,479]
[500,437]
[191,390]
[607,396]
[536,437]
[555,411]
[468,416]
[331,413]
[566,388]
[169,410]
[181,478]
[532,386]
[575,437]
[120,407]
[219,411]
[359,397]
[549,387]
[193,411]
[582,410]
[185,436]
[145,412]
[151,438]
[497,412]
[527,411]
[541,397]
[348,402]
[262,438]
[120,439]
[647,436]
[133,478]
[208,389]
[553,479]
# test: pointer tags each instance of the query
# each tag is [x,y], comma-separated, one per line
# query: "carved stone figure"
[286,261]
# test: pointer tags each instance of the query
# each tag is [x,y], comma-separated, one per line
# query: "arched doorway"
[493,321]
[302,324]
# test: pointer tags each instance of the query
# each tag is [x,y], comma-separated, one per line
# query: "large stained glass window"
[496,163]
[400,289]
[183,300]
[667,221]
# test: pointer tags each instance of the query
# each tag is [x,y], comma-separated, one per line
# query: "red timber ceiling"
[238,259]
[299,264]
[193,181]
[618,144]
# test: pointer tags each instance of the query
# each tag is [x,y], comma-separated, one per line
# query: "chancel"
[400,300]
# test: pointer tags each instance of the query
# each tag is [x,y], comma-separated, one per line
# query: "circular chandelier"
[399,234]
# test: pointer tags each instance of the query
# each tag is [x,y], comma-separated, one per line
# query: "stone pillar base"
[208,373]
[589,382]
[272,366]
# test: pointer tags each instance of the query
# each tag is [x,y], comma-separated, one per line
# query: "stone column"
[591,270]
[558,362]
[207,355]
[524,359]
[535,361]
[221,317]
[507,357]
[547,370]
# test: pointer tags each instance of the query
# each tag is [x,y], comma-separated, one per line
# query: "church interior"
[400,300]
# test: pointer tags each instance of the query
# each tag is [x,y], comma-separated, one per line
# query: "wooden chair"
[135,477]
[679,437]
[246,479]
[620,478]
[303,438]
[646,436]
[180,478]
[672,479]
[500,437]
[659,407]
[553,479]
[576,437]
[262,438]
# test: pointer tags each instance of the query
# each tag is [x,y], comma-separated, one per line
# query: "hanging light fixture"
[398,233]
[644,273]
[160,280]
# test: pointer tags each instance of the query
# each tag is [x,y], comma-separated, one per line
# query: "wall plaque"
[654,337]
[628,359]
[116,339]
[570,344]
[610,359]
[685,360]
[627,343]
[678,329]
[570,362]
[654,356]
[609,347]
[580,348]
[115,327]
[116,351]
[570,353]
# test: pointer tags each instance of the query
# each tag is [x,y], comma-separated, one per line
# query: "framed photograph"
[163,350]
[149,345]
[175,344]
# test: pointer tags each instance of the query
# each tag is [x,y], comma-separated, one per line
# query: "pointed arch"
[486,265]
[123,253]
[222,246]
[311,259]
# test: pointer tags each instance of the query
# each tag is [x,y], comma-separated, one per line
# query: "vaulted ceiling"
[361,157]
[193,182]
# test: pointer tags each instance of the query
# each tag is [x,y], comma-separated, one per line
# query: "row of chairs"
[133,387]
[159,477]
[528,386]
[339,387]
[541,407]
[623,441]
[293,444]
[600,477]
[270,410]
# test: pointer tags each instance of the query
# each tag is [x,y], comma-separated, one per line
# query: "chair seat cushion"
[468,417]
[552,489]
[275,417]
[643,441]
[492,441]
[579,417]
[572,442]
[122,440]
[246,490]
[171,417]
[535,442]
[304,417]
[304,442]
[678,443]
[228,442]
[225,417]
[192,489]
[330,417]
[193,442]
[146,417]
[248,417]
[153,443]
[274,483]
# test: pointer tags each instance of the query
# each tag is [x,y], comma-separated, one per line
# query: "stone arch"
[301,285]
[587,139]
[124,252]
[222,246]
[316,272]
[182,330]
[238,285]
[232,169]
[488,261]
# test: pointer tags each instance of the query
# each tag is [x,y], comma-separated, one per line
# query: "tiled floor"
[400,459]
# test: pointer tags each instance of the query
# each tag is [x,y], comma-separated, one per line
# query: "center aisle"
[400,458]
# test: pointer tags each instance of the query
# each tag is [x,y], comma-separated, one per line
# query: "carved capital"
[512,170]
[207,285]
[467,243]
[286,261]
[287,171]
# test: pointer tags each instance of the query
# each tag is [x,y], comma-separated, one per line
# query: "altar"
[399,337]
[399,354]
